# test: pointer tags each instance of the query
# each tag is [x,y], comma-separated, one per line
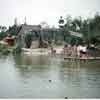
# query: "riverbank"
[43,51]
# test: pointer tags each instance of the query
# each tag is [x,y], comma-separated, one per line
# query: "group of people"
[75,50]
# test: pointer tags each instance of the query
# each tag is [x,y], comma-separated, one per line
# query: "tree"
[28,40]
[68,23]
[2,35]
[3,28]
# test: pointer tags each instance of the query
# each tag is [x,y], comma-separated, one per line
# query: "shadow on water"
[29,65]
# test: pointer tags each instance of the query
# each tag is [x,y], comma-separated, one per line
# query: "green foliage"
[2,35]
[90,28]
[4,50]
[13,30]
[17,49]
[28,40]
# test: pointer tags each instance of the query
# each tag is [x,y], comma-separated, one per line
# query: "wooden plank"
[89,58]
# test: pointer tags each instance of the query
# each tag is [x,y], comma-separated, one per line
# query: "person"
[79,47]
[69,50]
[65,49]
[53,51]
[83,51]
[74,50]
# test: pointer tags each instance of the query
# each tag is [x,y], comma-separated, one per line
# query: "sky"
[37,11]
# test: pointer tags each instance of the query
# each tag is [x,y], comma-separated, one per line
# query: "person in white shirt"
[79,47]
[82,50]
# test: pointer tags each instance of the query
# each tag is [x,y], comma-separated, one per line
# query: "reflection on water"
[29,76]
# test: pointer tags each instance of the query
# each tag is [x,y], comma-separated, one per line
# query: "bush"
[4,49]
[28,40]
[2,35]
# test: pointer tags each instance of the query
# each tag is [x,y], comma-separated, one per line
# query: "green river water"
[27,76]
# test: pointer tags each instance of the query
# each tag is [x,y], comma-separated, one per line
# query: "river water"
[27,76]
